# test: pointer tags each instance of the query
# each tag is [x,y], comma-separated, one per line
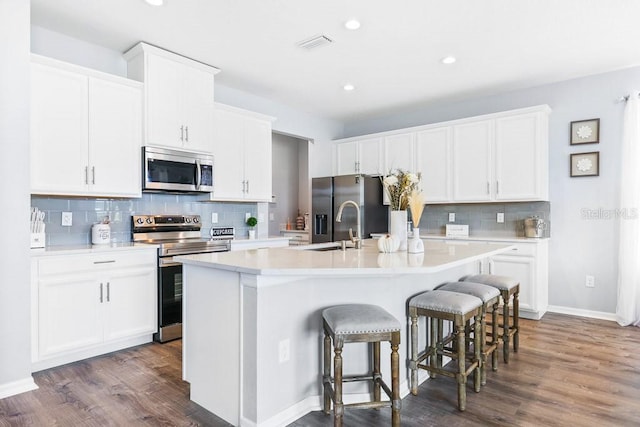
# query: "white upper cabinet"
[242,156]
[398,152]
[495,157]
[178,98]
[472,168]
[433,162]
[362,156]
[521,157]
[85,131]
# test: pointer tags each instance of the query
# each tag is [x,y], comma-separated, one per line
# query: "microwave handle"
[198,174]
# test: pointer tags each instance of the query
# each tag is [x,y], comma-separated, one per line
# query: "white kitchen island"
[252,323]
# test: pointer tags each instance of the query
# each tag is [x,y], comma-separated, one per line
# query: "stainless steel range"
[175,235]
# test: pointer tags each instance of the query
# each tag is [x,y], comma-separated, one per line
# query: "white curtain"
[628,307]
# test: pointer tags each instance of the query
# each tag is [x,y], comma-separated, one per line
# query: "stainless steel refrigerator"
[329,193]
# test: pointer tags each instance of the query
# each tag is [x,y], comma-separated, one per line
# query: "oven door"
[172,170]
[169,300]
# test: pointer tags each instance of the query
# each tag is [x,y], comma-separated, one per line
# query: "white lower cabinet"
[528,263]
[90,304]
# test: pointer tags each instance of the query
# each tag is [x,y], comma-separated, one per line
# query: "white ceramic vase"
[415,245]
[252,234]
[398,228]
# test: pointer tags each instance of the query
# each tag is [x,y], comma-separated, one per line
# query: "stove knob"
[149,220]
[187,220]
[139,220]
[196,220]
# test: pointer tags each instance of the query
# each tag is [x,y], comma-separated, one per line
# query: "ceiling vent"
[314,42]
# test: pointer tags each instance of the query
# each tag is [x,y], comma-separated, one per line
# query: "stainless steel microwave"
[176,171]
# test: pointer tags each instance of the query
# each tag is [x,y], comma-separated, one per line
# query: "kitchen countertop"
[88,249]
[291,261]
[493,238]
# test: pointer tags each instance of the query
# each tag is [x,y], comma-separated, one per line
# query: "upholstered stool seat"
[509,290]
[490,298]
[360,323]
[438,306]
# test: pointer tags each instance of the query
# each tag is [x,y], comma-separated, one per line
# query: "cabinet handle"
[108,292]
[357,167]
[497,187]
[100,293]
[181,133]
[93,175]
[86,174]
[490,266]
[104,262]
[480,267]
[488,187]
[186,133]
[247,186]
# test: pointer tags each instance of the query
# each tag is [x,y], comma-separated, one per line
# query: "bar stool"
[437,306]
[509,288]
[490,297]
[360,323]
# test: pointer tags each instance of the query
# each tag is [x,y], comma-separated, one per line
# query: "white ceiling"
[393,59]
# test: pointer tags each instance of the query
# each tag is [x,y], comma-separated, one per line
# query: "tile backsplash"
[88,211]
[481,218]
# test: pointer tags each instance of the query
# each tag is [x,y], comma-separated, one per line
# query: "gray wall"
[579,246]
[285,181]
[15,331]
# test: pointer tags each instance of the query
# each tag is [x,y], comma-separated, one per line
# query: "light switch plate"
[247,216]
[452,217]
[67,219]
[214,217]
[500,217]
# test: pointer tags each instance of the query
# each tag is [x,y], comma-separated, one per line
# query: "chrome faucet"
[357,240]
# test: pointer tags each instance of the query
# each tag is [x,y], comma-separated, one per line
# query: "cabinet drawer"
[520,249]
[66,264]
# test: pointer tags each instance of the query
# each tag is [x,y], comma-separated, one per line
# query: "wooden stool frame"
[332,386]
[436,348]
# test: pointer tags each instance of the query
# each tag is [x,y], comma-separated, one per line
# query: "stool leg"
[395,381]
[376,371]
[478,338]
[494,336]
[505,326]
[433,346]
[439,341]
[516,315]
[483,346]
[326,378]
[461,377]
[338,406]
[414,355]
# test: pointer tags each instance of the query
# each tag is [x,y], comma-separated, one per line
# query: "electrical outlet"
[500,217]
[247,216]
[272,217]
[283,351]
[214,217]
[590,281]
[67,219]
[452,217]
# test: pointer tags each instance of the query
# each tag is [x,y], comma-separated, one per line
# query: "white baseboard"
[17,387]
[582,313]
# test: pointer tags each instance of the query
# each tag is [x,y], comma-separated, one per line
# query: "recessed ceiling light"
[155,2]
[448,59]
[348,87]
[352,24]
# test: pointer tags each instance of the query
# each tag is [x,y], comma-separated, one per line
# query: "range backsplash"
[88,211]
[481,218]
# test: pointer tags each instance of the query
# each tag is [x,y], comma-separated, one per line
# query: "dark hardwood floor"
[570,371]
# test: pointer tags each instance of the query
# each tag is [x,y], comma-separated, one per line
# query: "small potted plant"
[251,222]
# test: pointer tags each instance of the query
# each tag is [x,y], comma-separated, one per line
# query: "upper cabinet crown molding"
[178,97]
[494,157]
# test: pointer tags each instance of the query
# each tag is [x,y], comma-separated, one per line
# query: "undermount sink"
[324,247]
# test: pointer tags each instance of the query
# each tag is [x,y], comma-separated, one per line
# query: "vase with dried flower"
[398,185]
[416,204]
